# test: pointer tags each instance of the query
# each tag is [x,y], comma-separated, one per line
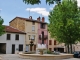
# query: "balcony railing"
[39,37]
[45,37]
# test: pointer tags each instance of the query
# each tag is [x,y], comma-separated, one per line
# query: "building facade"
[12,41]
[76,47]
[32,28]
[53,45]
[42,32]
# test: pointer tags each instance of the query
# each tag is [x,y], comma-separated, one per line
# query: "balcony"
[45,37]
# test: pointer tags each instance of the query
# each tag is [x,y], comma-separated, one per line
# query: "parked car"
[56,52]
[76,54]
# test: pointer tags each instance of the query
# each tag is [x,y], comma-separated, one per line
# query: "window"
[50,42]
[50,49]
[42,26]
[33,37]
[21,47]
[54,42]
[17,37]
[29,37]
[8,36]
[33,28]
[33,23]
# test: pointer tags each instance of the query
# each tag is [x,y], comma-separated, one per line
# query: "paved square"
[15,57]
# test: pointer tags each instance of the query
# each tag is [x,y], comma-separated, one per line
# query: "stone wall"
[18,23]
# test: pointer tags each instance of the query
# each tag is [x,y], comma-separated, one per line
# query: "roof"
[27,19]
[13,30]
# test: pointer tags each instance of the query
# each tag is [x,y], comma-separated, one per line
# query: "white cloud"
[39,10]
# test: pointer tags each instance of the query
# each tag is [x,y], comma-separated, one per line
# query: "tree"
[65,22]
[1,26]
[32,2]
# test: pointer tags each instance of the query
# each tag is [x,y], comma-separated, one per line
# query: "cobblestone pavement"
[15,57]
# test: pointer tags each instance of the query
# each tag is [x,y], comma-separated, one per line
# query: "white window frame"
[33,28]
[33,37]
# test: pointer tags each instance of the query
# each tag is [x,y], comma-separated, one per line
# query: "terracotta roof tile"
[27,19]
[13,30]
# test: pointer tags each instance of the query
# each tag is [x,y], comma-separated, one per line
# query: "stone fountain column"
[40,48]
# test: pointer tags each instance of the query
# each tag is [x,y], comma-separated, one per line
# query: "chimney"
[43,19]
[30,17]
[38,18]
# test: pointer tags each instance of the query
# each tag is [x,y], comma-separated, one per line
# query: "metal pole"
[41,38]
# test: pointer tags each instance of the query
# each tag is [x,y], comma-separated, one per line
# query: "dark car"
[76,54]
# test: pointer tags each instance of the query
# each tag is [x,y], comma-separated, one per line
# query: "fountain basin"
[41,50]
[45,56]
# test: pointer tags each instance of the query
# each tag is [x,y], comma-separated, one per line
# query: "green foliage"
[32,2]
[1,26]
[65,22]
[48,52]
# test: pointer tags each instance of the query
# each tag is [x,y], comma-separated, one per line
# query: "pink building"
[42,31]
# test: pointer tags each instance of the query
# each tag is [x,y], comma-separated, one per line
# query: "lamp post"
[31,44]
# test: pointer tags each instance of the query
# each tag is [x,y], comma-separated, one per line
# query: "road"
[15,57]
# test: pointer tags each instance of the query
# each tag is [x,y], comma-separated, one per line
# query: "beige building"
[53,45]
[28,26]
[77,47]
[50,43]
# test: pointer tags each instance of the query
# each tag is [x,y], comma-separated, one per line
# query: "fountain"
[39,55]
[41,48]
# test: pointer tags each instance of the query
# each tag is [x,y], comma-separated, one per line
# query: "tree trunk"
[71,48]
[68,47]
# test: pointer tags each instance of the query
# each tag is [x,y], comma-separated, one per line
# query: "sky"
[9,9]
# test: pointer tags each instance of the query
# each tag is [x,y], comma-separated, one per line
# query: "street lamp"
[31,44]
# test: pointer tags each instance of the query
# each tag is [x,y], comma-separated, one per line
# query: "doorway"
[13,48]
[34,47]
[31,48]
[27,48]
[2,48]
[42,37]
